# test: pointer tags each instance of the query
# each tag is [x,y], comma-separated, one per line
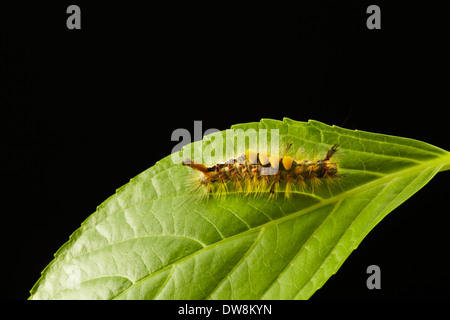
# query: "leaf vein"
[335,206]
[241,260]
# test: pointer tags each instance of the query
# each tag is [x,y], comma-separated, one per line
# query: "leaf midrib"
[442,161]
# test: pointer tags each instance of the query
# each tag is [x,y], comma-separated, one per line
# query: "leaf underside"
[154,240]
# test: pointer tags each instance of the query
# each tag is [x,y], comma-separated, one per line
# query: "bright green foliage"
[153,240]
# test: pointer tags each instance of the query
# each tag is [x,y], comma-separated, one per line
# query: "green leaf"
[154,240]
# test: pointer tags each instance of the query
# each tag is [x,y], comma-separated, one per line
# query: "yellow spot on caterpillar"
[264,158]
[274,161]
[287,162]
[251,156]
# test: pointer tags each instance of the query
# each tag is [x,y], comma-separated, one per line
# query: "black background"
[84,111]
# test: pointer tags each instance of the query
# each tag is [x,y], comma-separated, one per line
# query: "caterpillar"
[261,173]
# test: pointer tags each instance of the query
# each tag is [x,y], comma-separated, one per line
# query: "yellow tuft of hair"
[264,183]
[288,190]
[274,161]
[287,162]
[251,156]
[221,190]
[315,182]
[264,158]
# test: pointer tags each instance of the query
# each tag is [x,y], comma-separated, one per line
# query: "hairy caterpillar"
[261,173]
